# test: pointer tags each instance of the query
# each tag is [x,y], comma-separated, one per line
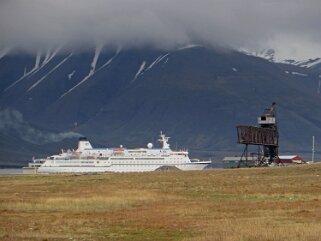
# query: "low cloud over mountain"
[289,26]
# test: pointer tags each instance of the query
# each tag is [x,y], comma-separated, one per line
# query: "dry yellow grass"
[274,204]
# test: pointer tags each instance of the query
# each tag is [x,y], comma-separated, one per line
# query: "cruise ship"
[86,159]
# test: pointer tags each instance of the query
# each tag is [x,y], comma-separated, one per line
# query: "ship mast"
[164,140]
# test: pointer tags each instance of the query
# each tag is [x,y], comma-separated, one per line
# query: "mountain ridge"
[269,54]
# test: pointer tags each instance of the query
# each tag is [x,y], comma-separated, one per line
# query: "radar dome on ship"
[150,145]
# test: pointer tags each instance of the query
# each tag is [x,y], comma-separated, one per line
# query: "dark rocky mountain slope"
[196,95]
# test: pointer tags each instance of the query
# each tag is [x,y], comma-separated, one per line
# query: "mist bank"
[12,121]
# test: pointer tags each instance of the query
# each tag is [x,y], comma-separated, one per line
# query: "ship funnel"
[83,144]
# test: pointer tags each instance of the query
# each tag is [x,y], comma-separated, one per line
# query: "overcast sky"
[291,27]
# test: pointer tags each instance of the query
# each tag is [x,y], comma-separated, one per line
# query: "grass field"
[274,204]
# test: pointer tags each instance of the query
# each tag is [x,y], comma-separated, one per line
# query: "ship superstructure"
[86,159]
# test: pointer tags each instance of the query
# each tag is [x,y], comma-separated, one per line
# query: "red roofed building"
[295,159]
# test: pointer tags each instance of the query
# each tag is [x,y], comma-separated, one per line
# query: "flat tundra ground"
[274,204]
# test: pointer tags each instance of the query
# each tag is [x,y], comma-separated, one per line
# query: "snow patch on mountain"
[270,55]
[26,73]
[71,74]
[111,59]
[68,91]
[296,73]
[108,62]
[51,71]
[156,61]
[189,46]
[4,52]
[35,67]
[143,68]
[98,50]
[310,63]
[38,65]
[95,59]
[300,74]
[50,54]
[140,70]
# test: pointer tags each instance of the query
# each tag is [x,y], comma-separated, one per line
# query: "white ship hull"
[119,168]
